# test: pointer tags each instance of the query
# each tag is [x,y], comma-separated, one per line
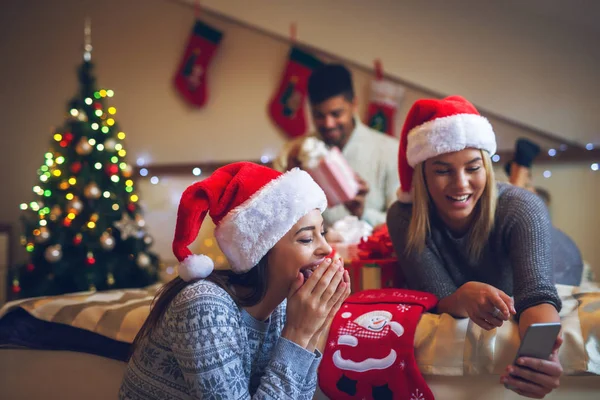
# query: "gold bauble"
[92,191]
[83,147]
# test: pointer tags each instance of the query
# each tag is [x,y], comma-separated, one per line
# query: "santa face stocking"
[287,106]
[381,112]
[191,76]
[369,352]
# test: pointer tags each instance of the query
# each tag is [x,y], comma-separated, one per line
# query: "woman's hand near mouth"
[313,302]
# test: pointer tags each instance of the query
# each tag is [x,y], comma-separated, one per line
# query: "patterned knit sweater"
[205,347]
[517,258]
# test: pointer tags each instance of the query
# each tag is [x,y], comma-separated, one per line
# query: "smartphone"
[538,342]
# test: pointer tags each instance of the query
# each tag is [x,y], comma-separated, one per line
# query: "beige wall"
[137,45]
[519,60]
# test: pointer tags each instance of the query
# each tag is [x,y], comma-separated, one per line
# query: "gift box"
[374,274]
[375,265]
[335,177]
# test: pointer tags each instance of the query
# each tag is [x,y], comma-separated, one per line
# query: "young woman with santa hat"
[471,241]
[252,330]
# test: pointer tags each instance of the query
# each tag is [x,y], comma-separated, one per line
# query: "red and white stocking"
[383,103]
[287,106]
[369,352]
[191,76]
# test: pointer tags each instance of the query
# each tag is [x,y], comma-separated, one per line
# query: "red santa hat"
[435,127]
[252,207]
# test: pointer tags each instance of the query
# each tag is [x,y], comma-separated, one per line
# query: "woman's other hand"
[486,305]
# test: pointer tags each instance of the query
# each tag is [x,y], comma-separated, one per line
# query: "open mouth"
[307,273]
[308,270]
[459,199]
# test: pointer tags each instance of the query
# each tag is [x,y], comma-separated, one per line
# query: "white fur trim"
[250,230]
[449,134]
[404,197]
[195,266]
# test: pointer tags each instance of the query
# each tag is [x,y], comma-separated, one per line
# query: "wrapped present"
[375,265]
[329,169]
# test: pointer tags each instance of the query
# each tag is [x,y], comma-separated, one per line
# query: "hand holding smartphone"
[538,342]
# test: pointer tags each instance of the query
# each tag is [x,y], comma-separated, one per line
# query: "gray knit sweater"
[206,347]
[517,259]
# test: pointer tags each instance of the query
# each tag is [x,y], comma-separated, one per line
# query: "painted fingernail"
[521,361]
[327,260]
[510,369]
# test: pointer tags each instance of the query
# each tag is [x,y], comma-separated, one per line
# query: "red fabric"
[381,117]
[421,112]
[369,352]
[390,274]
[191,77]
[378,245]
[287,106]
[221,192]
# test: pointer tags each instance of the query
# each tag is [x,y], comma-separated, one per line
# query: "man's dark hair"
[329,81]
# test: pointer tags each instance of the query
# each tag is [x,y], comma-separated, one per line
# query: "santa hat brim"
[449,134]
[250,230]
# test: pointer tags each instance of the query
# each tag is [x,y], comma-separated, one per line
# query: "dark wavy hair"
[256,280]
[329,81]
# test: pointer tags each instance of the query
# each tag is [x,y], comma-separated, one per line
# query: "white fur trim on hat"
[449,134]
[250,230]
[195,266]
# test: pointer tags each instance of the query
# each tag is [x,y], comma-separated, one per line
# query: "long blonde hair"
[422,207]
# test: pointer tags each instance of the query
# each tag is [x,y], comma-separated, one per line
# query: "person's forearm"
[451,305]
[544,312]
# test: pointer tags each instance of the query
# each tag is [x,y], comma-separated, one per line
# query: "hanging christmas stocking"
[369,352]
[190,79]
[287,106]
[385,97]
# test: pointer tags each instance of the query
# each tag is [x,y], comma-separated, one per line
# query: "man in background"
[371,154]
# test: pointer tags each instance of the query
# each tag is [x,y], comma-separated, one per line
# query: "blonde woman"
[482,247]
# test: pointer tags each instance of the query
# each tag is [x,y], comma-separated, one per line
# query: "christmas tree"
[84,229]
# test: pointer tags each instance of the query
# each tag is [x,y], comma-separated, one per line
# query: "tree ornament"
[53,253]
[43,235]
[83,147]
[148,240]
[143,260]
[75,205]
[77,239]
[91,260]
[110,279]
[127,171]
[140,221]
[112,169]
[109,144]
[107,241]
[82,116]
[76,167]
[92,191]
[126,226]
